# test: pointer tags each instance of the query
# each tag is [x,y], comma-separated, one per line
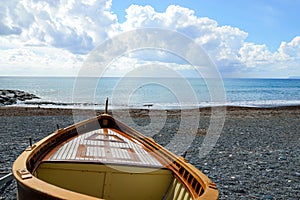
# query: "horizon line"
[67,76]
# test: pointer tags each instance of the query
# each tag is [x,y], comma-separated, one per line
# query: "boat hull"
[46,171]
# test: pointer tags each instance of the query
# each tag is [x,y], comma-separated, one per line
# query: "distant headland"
[294,77]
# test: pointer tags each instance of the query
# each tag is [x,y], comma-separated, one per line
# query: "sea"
[154,93]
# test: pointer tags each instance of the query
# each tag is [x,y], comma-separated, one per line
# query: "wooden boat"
[102,158]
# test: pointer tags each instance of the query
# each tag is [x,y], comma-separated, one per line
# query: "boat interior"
[113,182]
[105,159]
[107,164]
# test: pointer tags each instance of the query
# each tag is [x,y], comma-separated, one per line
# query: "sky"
[257,38]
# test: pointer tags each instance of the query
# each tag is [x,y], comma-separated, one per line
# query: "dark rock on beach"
[9,97]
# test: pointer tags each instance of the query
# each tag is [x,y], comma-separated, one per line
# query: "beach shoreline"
[229,110]
[255,157]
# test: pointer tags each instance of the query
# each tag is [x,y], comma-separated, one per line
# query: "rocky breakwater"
[9,97]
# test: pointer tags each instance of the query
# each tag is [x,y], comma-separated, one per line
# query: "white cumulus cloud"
[290,49]
[39,35]
[43,61]
[73,25]
[226,45]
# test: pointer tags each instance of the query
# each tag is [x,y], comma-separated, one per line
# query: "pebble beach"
[255,157]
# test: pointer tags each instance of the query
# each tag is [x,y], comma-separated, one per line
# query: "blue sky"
[257,38]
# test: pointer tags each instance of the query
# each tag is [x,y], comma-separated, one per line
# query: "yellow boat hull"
[49,169]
